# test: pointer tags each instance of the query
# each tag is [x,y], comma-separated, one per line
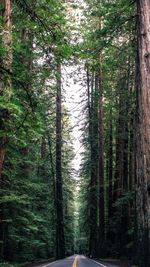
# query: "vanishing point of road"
[76,261]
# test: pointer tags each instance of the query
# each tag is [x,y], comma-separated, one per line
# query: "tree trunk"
[93,139]
[143,132]
[51,161]
[119,156]
[5,80]
[60,239]
[101,165]
[5,93]
[110,166]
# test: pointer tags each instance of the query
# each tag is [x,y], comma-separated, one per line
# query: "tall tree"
[60,239]
[110,165]
[5,82]
[143,131]
[5,95]
[101,162]
[93,140]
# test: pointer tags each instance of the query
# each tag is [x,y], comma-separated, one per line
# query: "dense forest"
[48,209]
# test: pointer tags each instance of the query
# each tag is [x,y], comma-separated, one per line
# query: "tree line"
[36,219]
[114,195]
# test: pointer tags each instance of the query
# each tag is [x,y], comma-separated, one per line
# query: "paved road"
[76,261]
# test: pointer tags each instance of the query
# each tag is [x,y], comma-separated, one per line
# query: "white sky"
[74,89]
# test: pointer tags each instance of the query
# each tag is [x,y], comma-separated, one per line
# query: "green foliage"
[109,44]
[41,41]
[27,194]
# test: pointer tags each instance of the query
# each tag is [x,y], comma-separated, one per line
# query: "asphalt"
[76,261]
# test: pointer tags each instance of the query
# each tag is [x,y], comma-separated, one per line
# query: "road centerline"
[75,262]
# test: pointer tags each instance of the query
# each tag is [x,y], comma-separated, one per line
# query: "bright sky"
[74,89]
[74,92]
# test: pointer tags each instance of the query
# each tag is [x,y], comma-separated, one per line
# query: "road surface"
[76,261]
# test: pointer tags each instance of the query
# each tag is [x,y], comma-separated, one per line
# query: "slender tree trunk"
[60,239]
[93,139]
[5,80]
[143,132]
[5,93]
[119,161]
[110,166]
[110,156]
[119,170]
[125,184]
[51,161]
[120,144]
[101,165]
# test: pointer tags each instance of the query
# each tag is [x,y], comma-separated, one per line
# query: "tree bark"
[101,182]
[93,139]
[101,165]
[110,166]
[60,239]
[143,132]
[5,93]
[5,80]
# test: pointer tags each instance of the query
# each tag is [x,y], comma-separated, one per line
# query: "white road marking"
[49,264]
[98,263]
